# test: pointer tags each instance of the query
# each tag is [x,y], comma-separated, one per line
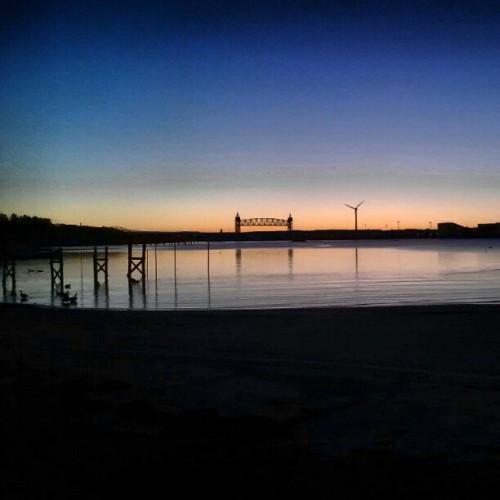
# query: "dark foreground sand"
[317,403]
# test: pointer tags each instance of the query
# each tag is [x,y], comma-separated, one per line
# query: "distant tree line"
[23,234]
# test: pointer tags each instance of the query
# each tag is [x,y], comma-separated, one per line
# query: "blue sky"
[176,116]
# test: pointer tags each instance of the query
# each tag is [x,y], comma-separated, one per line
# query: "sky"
[176,115]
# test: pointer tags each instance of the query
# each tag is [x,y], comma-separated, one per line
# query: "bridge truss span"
[262,221]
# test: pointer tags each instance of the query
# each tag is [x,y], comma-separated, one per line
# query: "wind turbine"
[355,214]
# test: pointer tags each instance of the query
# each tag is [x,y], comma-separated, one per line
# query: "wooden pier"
[137,268]
[100,266]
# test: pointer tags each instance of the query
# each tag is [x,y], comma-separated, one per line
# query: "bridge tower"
[289,222]
[237,223]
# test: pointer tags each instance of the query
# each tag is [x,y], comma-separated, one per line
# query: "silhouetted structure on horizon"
[355,214]
[491,230]
[451,229]
[262,221]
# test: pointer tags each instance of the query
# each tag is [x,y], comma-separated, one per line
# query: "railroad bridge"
[262,221]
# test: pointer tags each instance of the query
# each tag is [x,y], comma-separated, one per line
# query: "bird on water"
[67,300]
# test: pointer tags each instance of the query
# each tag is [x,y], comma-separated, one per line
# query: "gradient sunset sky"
[176,115]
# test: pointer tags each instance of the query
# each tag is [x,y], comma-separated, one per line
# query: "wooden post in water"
[129,260]
[208,276]
[175,263]
[100,265]
[175,275]
[9,269]
[96,281]
[136,263]
[156,265]
[208,260]
[57,270]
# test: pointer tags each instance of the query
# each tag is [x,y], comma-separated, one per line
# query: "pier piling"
[57,270]
[100,265]
[8,270]
[136,263]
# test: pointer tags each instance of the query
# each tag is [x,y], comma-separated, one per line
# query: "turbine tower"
[355,214]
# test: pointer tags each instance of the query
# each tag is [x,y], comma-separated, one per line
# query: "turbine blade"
[360,203]
[349,206]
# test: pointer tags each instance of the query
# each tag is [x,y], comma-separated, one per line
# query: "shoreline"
[316,400]
[442,307]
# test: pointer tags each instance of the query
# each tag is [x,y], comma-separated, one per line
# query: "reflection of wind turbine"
[355,214]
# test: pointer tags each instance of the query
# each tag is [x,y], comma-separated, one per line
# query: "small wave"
[478,271]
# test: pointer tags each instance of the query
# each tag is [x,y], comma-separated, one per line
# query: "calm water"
[274,275]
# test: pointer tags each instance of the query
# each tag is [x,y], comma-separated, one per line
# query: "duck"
[69,300]
[24,296]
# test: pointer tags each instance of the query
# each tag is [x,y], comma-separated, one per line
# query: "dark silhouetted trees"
[22,234]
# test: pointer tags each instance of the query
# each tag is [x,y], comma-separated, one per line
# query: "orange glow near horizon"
[341,218]
[207,213]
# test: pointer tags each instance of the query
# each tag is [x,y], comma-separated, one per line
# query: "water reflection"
[137,294]
[9,275]
[156,292]
[9,295]
[316,274]
[237,255]
[209,294]
[176,297]
[82,294]
[101,295]
[238,258]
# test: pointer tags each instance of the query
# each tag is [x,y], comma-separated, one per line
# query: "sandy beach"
[304,403]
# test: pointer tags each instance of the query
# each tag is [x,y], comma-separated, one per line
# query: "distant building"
[451,230]
[489,230]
